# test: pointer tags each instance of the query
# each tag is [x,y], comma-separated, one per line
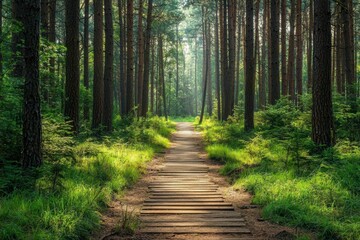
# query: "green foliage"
[319,192]
[79,177]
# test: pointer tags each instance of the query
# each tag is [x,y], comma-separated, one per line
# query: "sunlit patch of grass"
[98,171]
[182,119]
[319,192]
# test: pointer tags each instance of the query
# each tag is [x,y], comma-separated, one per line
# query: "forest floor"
[122,220]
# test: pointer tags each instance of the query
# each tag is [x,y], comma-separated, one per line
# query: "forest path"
[183,201]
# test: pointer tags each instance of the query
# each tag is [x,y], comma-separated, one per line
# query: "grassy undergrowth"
[278,163]
[80,176]
[182,119]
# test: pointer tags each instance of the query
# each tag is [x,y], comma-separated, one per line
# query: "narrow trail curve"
[183,201]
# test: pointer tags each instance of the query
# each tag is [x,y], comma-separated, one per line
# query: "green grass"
[295,185]
[182,119]
[97,171]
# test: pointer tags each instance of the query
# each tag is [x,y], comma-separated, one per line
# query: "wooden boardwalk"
[183,200]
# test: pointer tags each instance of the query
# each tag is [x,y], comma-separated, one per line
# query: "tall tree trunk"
[310,43]
[299,49]
[269,50]
[72,85]
[339,51]
[98,89]
[122,80]
[349,54]
[291,57]
[274,23]
[224,57]
[130,59]
[161,74]
[238,59]
[284,85]
[140,70]
[17,49]
[152,78]
[195,78]
[262,81]
[249,72]
[322,116]
[256,43]
[217,62]
[108,73]
[52,39]
[232,57]
[208,75]
[1,43]
[32,115]
[177,64]
[204,94]
[145,93]
[86,60]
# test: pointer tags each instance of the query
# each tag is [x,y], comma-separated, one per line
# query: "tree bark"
[162,76]
[108,73]
[275,81]
[291,57]
[130,60]
[262,81]
[86,59]
[232,6]
[249,72]
[140,66]
[217,62]
[52,39]
[284,85]
[322,116]
[98,89]
[299,53]
[310,44]
[72,84]
[122,80]
[32,114]
[145,93]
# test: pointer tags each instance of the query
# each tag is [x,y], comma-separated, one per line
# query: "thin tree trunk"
[98,88]
[145,93]
[232,6]
[72,85]
[217,63]
[123,78]
[238,59]
[208,75]
[162,76]
[130,59]
[274,23]
[256,43]
[310,43]
[262,81]
[32,116]
[299,49]
[291,56]
[108,73]
[86,60]
[140,66]
[152,78]
[1,43]
[249,72]
[224,57]
[284,85]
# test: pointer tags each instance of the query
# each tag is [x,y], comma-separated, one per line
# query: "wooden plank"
[195,224]
[188,208]
[180,190]
[184,200]
[159,211]
[209,215]
[190,230]
[188,204]
[185,196]
[185,218]
[185,193]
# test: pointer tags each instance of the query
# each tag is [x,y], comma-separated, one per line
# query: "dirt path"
[183,197]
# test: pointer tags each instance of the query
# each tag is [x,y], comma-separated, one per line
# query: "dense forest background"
[81,79]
